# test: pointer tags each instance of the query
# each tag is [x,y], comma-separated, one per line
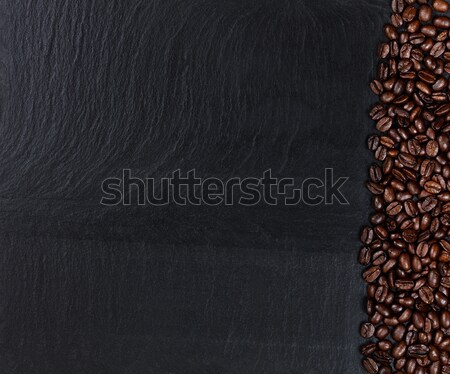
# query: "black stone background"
[230,88]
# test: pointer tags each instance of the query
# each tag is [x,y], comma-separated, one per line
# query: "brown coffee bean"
[418,350]
[398,6]
[365,255]
[391,32]
[404,284]
[432,187]
[370,365]
[385,345]
[433,278]
[418,320]
[409,235]
[408,160]
[445,319]
[367,235]
[375,173]
[383,50]
[409,13]
[394,208]
[432,148]
[429,204]
[440,6]
[426,294]
[368,349]
[437,51]
[371,274]
[440,22]
[381,332]
[367,330]
[411,208]
[375,188]
[425,13]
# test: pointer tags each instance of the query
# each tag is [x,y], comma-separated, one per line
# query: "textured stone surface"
[231,88]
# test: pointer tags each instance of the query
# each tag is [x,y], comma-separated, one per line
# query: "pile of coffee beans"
[406,247]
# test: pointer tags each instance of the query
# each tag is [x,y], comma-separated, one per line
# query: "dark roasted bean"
[367,330]
[371,274]
[440,6]
[425,13]
[370,365]
[418,350]
[440,22]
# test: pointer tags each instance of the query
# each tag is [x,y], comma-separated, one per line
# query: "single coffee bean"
[391,31]
[367,235]
[440,22]
[440,6]
[399,350]
[373,142]
[437,51]
[426,294]
[432,148]
[370,365]
[383,50]
[375,188]
[445,319]
[371,274]
[409,235]
[404,284]
[418,350]
[418,320]
[368,349]
[394,208]
[432,187]
[429,204]
[398,6]
[409,13]
[375,173]
[367,330]
[425,13]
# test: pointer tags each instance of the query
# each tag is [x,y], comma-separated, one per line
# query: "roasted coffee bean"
[377,87]
[368,349]
[367,330]
[365,254]
[404,284]
[437,51]
[440,6]
[411,208]
[371,274]
[409,235]
[383,50]
[432,148]
[425,13]
[367,235]
[439,22]
[375,188]
[370,365]
[391,32]
[409,13]
[373,142]
[398,6]
[429,204]
[418,350]
[432,187]
[426,294]
[394,208]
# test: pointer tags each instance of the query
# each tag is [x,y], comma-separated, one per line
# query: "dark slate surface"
[230,88]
